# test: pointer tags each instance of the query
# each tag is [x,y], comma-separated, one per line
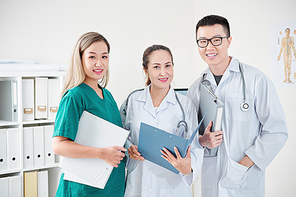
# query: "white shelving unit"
[53,169]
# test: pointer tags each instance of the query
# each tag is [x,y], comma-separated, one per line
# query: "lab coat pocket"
[209,168]
[233,111]
[233,175]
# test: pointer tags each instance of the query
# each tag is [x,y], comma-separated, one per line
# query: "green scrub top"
[71,107]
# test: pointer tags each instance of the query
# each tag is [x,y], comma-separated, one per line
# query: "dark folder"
[209,103]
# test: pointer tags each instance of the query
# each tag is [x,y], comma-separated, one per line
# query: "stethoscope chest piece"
[245,106]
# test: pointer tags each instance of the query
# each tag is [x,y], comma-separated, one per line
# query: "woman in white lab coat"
[157,105]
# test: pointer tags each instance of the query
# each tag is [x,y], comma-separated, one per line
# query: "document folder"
[28,99]
[3,150]
[28,154]
[41,85]
[30,184]
[48,152]
[13,149]
[152,140]
[42,183]
[15,186]
[4,186]
[94,132]
[215,112]
[9,103]
[38,146]
[53,98]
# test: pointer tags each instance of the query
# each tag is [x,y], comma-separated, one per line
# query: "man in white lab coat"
[253,134]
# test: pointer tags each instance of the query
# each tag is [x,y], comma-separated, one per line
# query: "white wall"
[47,31]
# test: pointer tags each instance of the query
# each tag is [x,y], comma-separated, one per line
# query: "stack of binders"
[11,186]
[40,98]
[36,184]
[9,149]
[38,146]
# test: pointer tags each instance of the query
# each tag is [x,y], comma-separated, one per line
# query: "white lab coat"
[260,133]
[145,178]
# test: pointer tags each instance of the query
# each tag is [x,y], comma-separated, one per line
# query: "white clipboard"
[214,107]
[94,132]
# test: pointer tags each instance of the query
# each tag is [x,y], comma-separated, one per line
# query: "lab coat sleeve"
[193,94]
[196,152]
[273,133]
[128,142]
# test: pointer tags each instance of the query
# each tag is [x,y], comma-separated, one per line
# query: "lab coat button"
[149,189]
[155,120]
[151,170]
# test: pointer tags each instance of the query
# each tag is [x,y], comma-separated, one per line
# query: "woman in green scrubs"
[90,61]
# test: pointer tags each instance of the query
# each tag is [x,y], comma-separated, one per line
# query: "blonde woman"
[82,91]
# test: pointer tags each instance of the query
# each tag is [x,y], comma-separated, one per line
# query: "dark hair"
[211,20]
[287,29]
[146,56]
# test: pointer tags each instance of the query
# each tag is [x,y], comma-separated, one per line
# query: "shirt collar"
[233,66]
[146,98]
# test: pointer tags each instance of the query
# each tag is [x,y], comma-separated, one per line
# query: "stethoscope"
[180,123]
[244,106]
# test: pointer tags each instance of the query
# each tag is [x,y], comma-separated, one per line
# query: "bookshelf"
[16,143]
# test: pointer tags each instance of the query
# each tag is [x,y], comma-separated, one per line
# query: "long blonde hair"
[75,73]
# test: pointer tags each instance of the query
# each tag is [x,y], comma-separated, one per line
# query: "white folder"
[8,98]
[38,146]
[15,186]
[94,132]
[48,152]
[42,183]
[41,98]
[3,150]
[53,98]
[4,186]
[28,147]
[28,99]
[13,148]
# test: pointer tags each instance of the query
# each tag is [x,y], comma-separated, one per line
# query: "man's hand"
[211,139]
[246,161]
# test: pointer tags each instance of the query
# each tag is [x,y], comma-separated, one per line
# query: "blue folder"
[152,140]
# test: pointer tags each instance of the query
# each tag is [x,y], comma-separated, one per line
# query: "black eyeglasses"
[203,43]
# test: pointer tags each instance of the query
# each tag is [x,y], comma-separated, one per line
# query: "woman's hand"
[134,154]
[181,164]
[113,155]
